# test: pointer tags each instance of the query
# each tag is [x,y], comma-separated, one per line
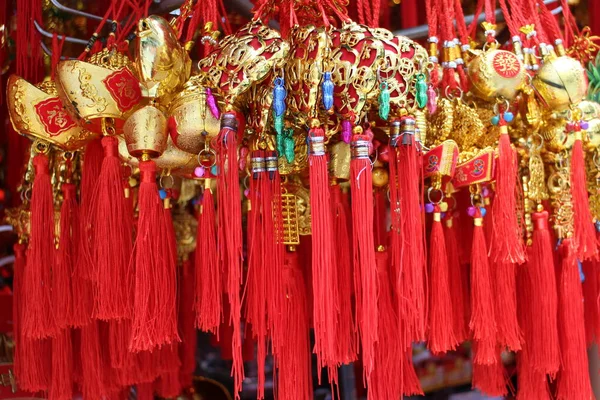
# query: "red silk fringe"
[584,232]
[459,289]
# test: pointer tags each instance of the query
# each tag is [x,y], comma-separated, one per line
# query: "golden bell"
[560,82]
[36,111]
[176,161]
[593,132]
[161,62]
[104,87]
[495,73]
[146,132]
[193,121]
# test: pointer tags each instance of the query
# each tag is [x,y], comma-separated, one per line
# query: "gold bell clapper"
[329,175]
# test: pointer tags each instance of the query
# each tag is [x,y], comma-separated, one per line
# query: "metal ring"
[497,105]
[172,181]
[596,160]
[207,150]
[531,142]
[432,189]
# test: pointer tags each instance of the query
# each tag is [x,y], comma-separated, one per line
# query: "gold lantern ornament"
[191,121]
[37,112]
[146,133]
[560,82]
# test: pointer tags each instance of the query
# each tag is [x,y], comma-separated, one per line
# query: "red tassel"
[346,333]
[92,163]
[441,330]
[145,391]
[169,281]
[61,279]
[292,358]
[62,367]
[505,282]
[209,308]
[187,347]
[168,386]
[531,383]
[324,272]
[584,232]
[483,321]
[490,379]
[408,248]
[384,382]
[91,362]
[230,233]
[411,384]
[32,356]
[363,246]
[256,284]
[154,322]
[459,292]
[574,378]
[112,245]
[38,319]
[506,245]
[539,292]
[590,301]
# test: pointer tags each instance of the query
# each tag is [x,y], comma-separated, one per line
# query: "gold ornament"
[37,112]
[193,120]
[146,132]
[496,73]
[161,63]
[380,177]
[560,82]
[103,88]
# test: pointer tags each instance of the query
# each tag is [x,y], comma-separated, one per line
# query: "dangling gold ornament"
[560,82]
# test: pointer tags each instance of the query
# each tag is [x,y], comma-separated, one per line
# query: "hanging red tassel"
[38,319]
[506,245]
[459,292]
[384,382]
[539,292]
[590,301]
[346,334]
[505,282]
[92,163]
[324,272]
[91,362]
[574,378]
[256,284]
[363,246]
[112,244]
[32,356]
[209,308]
[292,358]
[145,391]
[154,317]
[230,233]
[62,293]
[583,229]
[62,367]
[408,248]
[187,347]
[490,379]
[441,330]
[167,385]
[483,321]
[531,383]
[410,381]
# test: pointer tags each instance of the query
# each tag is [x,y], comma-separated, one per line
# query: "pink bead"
[471,211]
[199,172]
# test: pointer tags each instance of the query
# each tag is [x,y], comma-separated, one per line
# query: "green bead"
[289,145]
[384,101]
[421,91]
[278,123]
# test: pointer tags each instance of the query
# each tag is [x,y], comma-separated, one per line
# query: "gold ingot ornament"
[161,63]
[37,112]
[496,73]
[105,87]
[560,82]
[146,132]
